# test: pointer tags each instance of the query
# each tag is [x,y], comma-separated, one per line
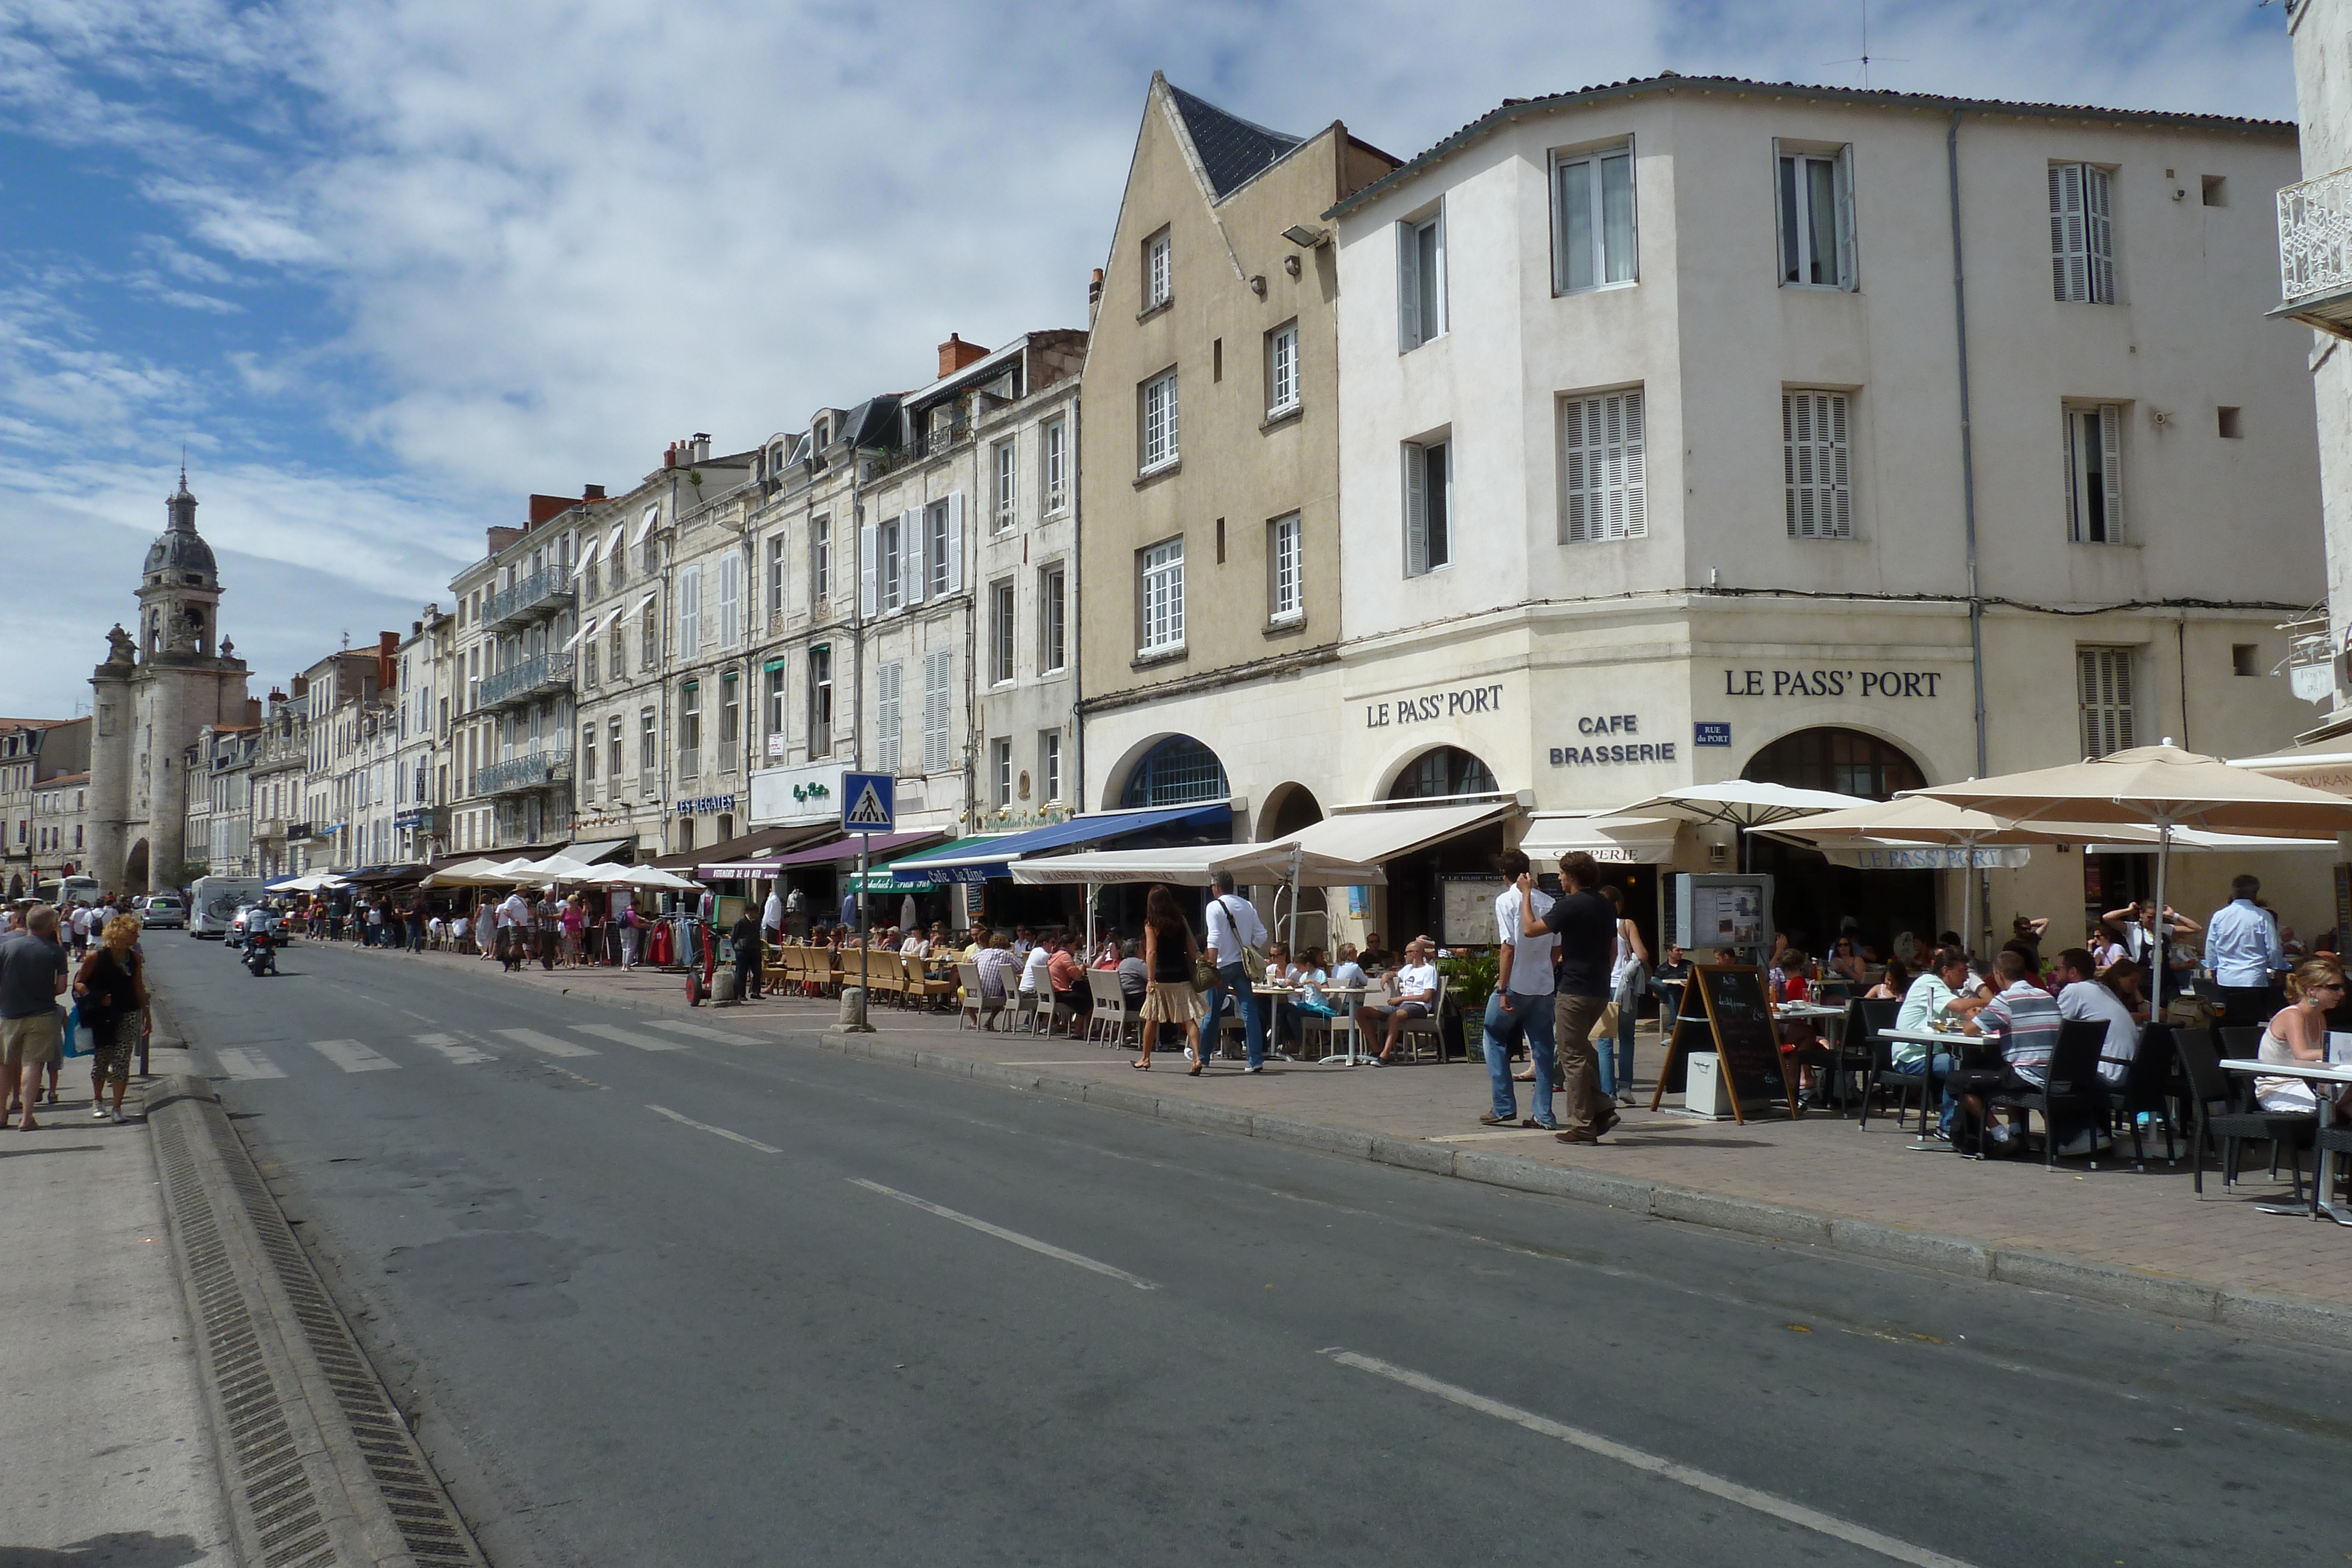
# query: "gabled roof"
[1515,109]
[1232,150]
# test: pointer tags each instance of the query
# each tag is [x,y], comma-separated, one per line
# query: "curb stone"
[2292,1317]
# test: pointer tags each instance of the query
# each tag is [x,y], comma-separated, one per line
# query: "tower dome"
[179,555]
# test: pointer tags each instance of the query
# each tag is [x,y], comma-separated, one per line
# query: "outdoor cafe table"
[1936,1041]
[2315,1072]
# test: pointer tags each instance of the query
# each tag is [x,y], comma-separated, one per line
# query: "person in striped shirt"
[2023,1021]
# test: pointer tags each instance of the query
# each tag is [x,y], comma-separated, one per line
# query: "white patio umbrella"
[2159,787]
[466,873]
[650,877]
[1742,803]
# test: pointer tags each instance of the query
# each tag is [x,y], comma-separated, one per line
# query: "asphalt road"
[743,1302]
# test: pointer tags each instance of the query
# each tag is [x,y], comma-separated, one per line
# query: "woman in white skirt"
[1170,954]
[2298,1033]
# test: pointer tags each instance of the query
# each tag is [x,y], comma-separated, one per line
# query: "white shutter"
[914,564]
[955,537]
[1602,469]
[2111,465]
[2105,698]
[937,711]
[2098,234]
[1416,510]
[2069,251]
[1846,276]
[1814,463]
[889,726]
[869,538]
[731,600]
[2066,426]
[1408,287]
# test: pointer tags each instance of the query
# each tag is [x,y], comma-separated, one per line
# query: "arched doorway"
[1179,771]
[16,888]
[135,869]
[1287,810]
[1443,770]
[1415,897]
[1813,901]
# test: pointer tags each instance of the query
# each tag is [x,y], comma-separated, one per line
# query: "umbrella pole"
[2158,949]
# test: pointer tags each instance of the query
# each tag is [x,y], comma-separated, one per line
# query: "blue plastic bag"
[72,1026]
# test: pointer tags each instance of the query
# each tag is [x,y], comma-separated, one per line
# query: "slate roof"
[1232,150]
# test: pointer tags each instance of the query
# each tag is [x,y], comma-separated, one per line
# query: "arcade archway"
[1812,901]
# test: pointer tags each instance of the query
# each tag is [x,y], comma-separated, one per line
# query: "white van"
[213,902]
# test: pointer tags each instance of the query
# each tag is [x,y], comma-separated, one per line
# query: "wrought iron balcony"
[520,775]
[519,682]
[544,592]
[2314,221]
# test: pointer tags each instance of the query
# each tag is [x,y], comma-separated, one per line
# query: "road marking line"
[622,1036]
[449,1046]
[1763,1503]
[701,1031]
[543,1042]
[1031,1242]
[243,1062]
[715,1132]
[353,1057]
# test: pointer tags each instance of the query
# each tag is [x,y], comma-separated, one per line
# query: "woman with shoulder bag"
[110,994]
[1172,956]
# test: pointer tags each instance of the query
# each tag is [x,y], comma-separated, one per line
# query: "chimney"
[1094,290]
[276,696]
[955,354]
[591,492]
[499,538]
[301,684]
[701,446]
[669,455]
[253,712]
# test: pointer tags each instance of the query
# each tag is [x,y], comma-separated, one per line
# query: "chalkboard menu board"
[1737,1010]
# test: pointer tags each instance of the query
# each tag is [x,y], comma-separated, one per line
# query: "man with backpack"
[1237,944]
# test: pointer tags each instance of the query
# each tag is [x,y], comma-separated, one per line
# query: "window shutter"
[1416,511]
[2069,254]
[2098,235]
[2111,463]
[869,541]
[2105,700]
[1815,464]
[889,728]
[955,522]
[914,559]
[1847,277]
[2073,484]
[1632,484]
[937,671]
[1408,287]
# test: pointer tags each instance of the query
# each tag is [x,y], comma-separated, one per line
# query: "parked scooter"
[260,955]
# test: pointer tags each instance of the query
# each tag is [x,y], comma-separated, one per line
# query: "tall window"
[774,675]
[2081,234]
[1282,369]
[1159,270]
[1053,619]
[1428,507]
[1592,219]
[1000,630]
[652,633]
[1602,483]
[1000,771]
[588,663]
[1815,470]
[1049,765]
[648,745]
[2104,675]
[1817,219]
[942,553]
[689,730]
[730,717]
[938,669]
[1005,494]
[820,708]
[587,753]
[820,560]
[2094,479]
[731,600]
[775,572]
[1421,281]
[1057,454]
[613,750]
[889,725]
[1163,596]
[890,562]
[1159,413]
[617,650]
[1286,571]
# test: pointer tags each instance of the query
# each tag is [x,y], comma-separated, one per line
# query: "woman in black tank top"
[1170,954]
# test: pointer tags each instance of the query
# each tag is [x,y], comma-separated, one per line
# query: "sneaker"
[1491,1120]
[97,1113]
[1254,1070]
[121,1120]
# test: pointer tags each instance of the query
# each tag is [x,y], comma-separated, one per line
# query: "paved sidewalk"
[2149,1223]
[108,1458]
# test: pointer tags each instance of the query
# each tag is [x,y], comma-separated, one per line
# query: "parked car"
[164,910]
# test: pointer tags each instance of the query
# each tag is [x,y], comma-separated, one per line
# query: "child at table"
[1310,979]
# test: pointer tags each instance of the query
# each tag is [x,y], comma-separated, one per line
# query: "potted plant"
[1470,976]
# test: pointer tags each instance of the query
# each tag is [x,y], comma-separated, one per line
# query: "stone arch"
[135,869]
[1832,757]
[1812,899]
[1287,809]
[1173,770]
[1441,770]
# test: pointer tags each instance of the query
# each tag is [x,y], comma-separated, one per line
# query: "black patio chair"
[2336,1141]
[2226,1112]
[2148,1089]
[2073,1093]
[1878,1013]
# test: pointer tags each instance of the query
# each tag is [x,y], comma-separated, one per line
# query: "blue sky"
[385,269]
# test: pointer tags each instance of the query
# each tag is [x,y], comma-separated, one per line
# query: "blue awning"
[978,863]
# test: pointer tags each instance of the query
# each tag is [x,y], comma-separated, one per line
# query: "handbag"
[68,1044]
[1253,961]
[1204,975]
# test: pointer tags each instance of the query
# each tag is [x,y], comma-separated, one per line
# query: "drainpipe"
[1070,621]
[1968,440]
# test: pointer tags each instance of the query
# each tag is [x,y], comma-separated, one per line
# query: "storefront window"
[1179,771]
[1844,760]
[1448,770]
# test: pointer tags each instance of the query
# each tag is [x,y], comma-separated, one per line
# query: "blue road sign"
[869,802]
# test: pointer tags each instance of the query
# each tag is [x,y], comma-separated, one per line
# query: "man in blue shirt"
[2242,950]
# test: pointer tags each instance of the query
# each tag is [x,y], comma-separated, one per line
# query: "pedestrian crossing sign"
[869,802]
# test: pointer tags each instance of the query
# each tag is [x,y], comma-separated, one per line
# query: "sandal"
[1195,1072]
[1141,1066]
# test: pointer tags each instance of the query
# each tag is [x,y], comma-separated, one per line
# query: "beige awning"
[1610,840]
[1368,838]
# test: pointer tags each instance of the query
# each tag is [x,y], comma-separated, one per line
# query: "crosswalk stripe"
[353,1057]
[243,1062]
[623,1037]
[546,1043]
[701,1032]
[457,1050]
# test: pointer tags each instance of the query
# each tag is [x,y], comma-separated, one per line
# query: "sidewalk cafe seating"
[924,986]
[980,1010]
[2332,1141]
[1110,1014]
[1432,1028]
[1876,1013]
[2072,1096]
[2226,1109]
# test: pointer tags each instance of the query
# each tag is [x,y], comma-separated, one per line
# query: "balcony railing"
[516,775]
[544,592]
[2314,221]
[518,681]
[268,827]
